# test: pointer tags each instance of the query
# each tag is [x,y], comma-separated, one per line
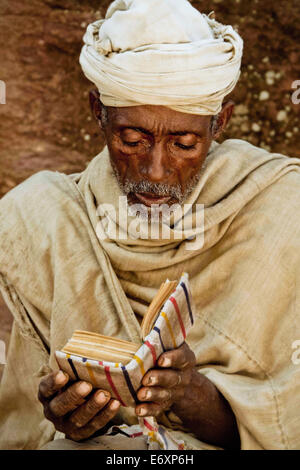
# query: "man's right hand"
[66,407]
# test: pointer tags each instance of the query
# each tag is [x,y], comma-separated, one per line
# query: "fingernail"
[142,411]
[151,380]
[84,388]
[147,395]
[60,377]
[166,362]
[114,404]
[100,397]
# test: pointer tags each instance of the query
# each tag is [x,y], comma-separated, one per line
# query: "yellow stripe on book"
[91,373]
[170,328]
[153,439]
[140,363]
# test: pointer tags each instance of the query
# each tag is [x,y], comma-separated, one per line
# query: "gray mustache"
[157,189]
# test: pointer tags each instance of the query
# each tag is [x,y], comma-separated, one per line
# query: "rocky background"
[46,123]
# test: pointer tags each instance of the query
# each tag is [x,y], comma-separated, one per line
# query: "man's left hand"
[166,385]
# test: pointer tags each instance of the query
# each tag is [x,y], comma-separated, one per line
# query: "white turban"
[161,52]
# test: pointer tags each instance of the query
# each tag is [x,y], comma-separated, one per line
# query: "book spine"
[65,363]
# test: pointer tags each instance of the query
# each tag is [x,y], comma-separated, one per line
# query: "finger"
[180,358]
[98,422]
[160,395]
[52,383]
[150,409]
[70,399]
[50,416]
[83,414]
[168,378]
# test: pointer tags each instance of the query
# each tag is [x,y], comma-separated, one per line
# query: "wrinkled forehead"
[158,119]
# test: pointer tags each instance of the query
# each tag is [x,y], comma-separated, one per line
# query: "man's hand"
[72,408]
[177,384]
[166,386]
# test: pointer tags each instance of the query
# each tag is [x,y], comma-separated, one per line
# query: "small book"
[107,348]
[118,365]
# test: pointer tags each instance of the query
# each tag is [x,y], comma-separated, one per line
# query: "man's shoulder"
[266,168]
[244,147]
[273,203]
[40,193]
[272,219]
[38,207]
[42,183]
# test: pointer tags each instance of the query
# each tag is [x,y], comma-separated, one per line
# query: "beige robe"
[57,276]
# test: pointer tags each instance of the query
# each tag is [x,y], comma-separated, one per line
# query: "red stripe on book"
[101,363]
[151,347]
[136,434]
[173,300]
[109,379]
[148,425]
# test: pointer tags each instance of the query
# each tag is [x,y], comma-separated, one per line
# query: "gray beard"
[159,189]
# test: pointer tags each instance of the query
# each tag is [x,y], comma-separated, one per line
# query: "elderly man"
[162,72]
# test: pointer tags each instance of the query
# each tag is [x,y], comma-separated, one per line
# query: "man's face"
[157,153]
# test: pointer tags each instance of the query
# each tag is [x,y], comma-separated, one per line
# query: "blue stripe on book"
[129,385]
[161,342]
[73,368]
[162,433]
[187,301]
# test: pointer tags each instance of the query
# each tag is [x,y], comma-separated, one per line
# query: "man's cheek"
[121,164]
[186,173]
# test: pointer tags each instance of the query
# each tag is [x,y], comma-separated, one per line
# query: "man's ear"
[223,118]
[96,105]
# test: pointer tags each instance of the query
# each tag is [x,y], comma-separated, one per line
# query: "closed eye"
[184,147]
[131,144]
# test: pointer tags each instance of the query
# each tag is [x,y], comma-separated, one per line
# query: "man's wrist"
[206,413]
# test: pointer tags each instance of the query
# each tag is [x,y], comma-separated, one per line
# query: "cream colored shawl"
[57,276]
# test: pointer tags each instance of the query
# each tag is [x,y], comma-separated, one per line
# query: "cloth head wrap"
[161,52]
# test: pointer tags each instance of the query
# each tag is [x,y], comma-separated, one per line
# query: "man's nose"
[157,168]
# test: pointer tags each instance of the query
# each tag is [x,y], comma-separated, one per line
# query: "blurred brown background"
[46,122]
